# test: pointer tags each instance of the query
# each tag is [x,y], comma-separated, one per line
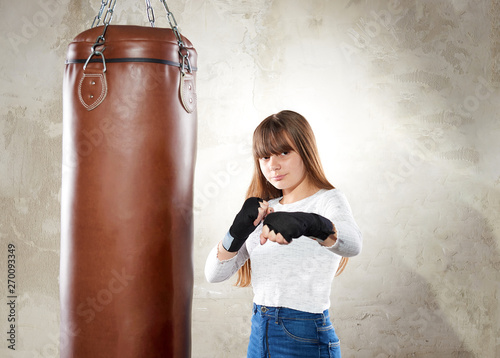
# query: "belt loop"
[324,318]
[276,315]
[254,308]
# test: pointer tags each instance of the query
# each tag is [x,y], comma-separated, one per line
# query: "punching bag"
[129,143]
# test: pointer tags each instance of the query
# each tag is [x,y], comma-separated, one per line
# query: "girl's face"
[285,171]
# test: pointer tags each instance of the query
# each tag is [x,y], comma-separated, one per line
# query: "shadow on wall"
[436,292]
[407,322]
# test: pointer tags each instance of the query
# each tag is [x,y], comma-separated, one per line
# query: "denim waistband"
[289,313]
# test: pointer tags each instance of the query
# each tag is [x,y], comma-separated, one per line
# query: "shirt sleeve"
[349,238]
[219,271]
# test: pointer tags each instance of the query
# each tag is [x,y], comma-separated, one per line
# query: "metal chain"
[101,40]
[150,12]
[173,23]
[183,51]
[109,15]
[97,18]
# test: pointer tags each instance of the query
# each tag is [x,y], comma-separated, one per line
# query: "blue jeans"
[279,332]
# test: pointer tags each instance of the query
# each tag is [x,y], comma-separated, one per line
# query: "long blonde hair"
[278,133]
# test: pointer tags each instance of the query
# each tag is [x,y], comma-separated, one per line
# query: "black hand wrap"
[292,225]
[243,224]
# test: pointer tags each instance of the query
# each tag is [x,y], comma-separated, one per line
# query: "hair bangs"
[271,140]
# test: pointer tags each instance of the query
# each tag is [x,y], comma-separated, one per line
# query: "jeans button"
[264,309]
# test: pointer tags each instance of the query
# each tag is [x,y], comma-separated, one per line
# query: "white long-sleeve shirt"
[298,275]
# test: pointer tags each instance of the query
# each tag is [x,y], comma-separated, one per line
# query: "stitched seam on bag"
[185,92]
[104,91]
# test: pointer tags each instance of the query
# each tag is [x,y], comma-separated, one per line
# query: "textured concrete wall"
[403,96]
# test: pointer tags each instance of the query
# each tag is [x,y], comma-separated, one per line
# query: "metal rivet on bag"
[92,83]
[189,87]
[190,100]
[91,96]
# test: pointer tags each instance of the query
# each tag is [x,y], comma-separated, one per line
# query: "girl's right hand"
[264,210]
[254,210]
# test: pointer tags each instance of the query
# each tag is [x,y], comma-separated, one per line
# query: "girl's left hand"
[267,234]
[282,227]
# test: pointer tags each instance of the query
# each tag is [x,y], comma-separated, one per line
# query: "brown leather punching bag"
[129,142]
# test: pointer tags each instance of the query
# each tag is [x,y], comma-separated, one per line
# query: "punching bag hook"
[98,53]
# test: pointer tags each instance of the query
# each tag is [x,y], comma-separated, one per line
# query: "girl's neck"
[301,191]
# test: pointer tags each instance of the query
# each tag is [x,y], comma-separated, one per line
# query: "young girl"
[295,228]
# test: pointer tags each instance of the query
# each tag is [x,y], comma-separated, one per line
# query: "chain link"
[108,16]
[101,40]
[183,51]
[97,18]
[173,23]
[150,12]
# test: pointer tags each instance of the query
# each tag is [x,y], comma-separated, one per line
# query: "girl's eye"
[285,153]
[264,158]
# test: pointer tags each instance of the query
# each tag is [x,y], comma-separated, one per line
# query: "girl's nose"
[274,162]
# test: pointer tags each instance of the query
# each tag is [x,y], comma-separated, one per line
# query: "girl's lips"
[278,177]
